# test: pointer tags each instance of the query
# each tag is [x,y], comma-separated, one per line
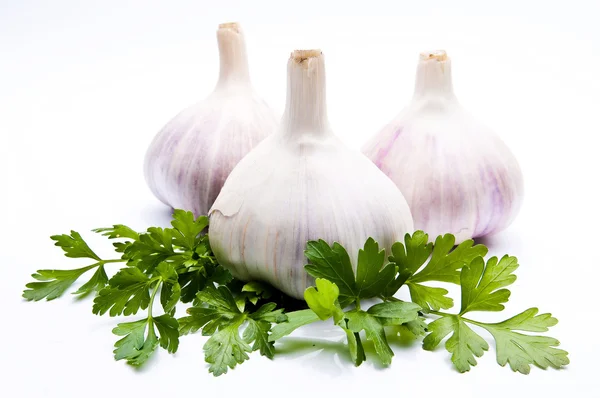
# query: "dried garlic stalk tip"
[235,26]
[301,56]
[438,55]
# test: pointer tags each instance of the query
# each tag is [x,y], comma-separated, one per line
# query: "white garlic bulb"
[457,176]
[190,158]
[302,183]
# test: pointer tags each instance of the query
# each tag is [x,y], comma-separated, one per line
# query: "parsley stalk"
[155,290]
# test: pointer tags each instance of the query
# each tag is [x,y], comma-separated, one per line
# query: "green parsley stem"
[439,313]
[357,302]
[461,317]
[152,299]
[101,263]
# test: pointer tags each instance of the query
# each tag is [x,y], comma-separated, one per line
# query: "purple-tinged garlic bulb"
[302,183]
[457,176]
[187,163]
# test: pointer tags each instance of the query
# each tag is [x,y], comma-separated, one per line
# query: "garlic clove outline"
[189,159]
[456,174]
[302,183]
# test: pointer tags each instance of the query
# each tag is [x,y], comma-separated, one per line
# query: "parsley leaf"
[53,283]
[323,300]
[252,292]
[430,297]
[74,246]
[136,347]
[371,276]
[480,283]
[259,325]
[118,231]
[153,247]
[333,263]
[444,265]
[357,352]
[464,344]
[194,279]
[521,350]
[395,312]
[372,322]
[140,339]
[411,255]
[226,348]
[418,327]
[295,320]
[95,283]
[218,315]
[128,291]
[184,247]
[198,318]
[187,229]
[361,320]
[170,290]
[483,289]
[168,328]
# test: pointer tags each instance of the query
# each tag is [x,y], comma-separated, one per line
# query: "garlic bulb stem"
[233,57]
[306,103]
[434,76]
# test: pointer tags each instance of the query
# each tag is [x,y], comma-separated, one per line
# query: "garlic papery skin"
[302,183]
[190,158]
[457,176]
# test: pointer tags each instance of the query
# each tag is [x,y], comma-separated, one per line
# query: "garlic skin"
[302,183]
[457,176]
[190,158]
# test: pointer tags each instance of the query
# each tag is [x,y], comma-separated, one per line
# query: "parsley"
[140,339]
[129,291]
[333,263]
[176,262]
[220,317]
[53,283]
[444,265]
[126,294]
[295,320]
[483,289]
[337,286]
[163,267]
[414,261]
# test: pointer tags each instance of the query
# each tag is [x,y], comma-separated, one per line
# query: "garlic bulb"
[190,158]
[302,183]
[457,176]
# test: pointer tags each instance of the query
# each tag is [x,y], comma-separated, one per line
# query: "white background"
[84,86]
